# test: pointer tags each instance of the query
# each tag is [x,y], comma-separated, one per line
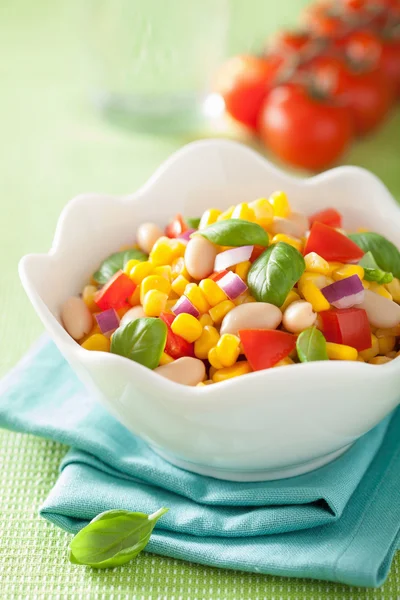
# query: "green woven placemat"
[34,558]
[52,146]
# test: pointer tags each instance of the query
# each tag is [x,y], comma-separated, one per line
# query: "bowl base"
[261,475]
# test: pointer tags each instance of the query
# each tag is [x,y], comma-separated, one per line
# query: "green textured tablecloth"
[52,146]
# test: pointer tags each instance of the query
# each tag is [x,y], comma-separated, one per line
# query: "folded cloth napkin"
[339,523]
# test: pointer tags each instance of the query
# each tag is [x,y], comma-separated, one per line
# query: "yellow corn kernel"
[208,339]
[360,359]
[134,299]
[263,211]
[392,331]
[316,264]
[178,248]
[166,359]
[391,354]
[206,320]
[242,299]
[200,384]
[97,342]
[196,297]
[214,360]
[178,267]
[386,344]
[139,271]
[161,253]
[317,278]
[209,217]
[179,285]
[373,351]
[379,289]
[315,297]
[362,230]
[164,271]
[243,211]
[280,204]
[211,290]
[365,284]
[219,311]
[170,304]
[242,269]
[154,303]
[187,326]
[394,289]
[284,362]
[228,349]
[341,352]
[288,239]
[291,297]
[227,214]
[334,266]
[380,360]
[130,264]
[154,282]
[348,271]
[88,294]
[211,372]
[240,368]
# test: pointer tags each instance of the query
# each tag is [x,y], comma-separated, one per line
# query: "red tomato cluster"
[313,90]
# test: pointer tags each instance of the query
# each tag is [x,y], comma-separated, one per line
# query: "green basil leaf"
[384,252]
[372,272]
[193,222]
[235,232]
[113,538]
[115,262]
[142,340]
[274,273]
[311,345]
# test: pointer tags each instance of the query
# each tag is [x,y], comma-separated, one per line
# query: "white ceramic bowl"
[265,425]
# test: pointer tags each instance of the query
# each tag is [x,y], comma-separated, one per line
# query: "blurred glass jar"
[153,60]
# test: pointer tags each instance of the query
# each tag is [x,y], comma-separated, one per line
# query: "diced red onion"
[232,285]
[226,259]
[185,306]
[185,236]
[108,321]
[345,293]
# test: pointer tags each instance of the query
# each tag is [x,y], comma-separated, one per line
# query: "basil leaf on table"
[113,538]
[142,340]
[235,232]
[193,222]
[115,262]
[311,345]
[274,273]
[384,252]
[372,272]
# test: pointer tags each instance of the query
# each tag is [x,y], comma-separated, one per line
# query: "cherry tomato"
[389,63]
[331,244]
[324,20]
[244,82]
[348,326]
[303,130]
[366,94]
[175,345]
[291,41]
[328,216]
[264,348]
[361,47]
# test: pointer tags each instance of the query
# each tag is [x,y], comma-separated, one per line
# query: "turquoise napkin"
[339,523]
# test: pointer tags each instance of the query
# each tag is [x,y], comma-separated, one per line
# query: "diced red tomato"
[266,347]
[175,345]
[257,251]
[115,292]
[176,227]
[331,244]
[349,326]
[328,216]
[218,275]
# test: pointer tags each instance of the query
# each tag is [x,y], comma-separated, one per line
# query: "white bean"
[147,235]
[76,317]
[133,313]
[200,257]
[299,316]
[254,315]
[186,370]
[288,227]
[381,312]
